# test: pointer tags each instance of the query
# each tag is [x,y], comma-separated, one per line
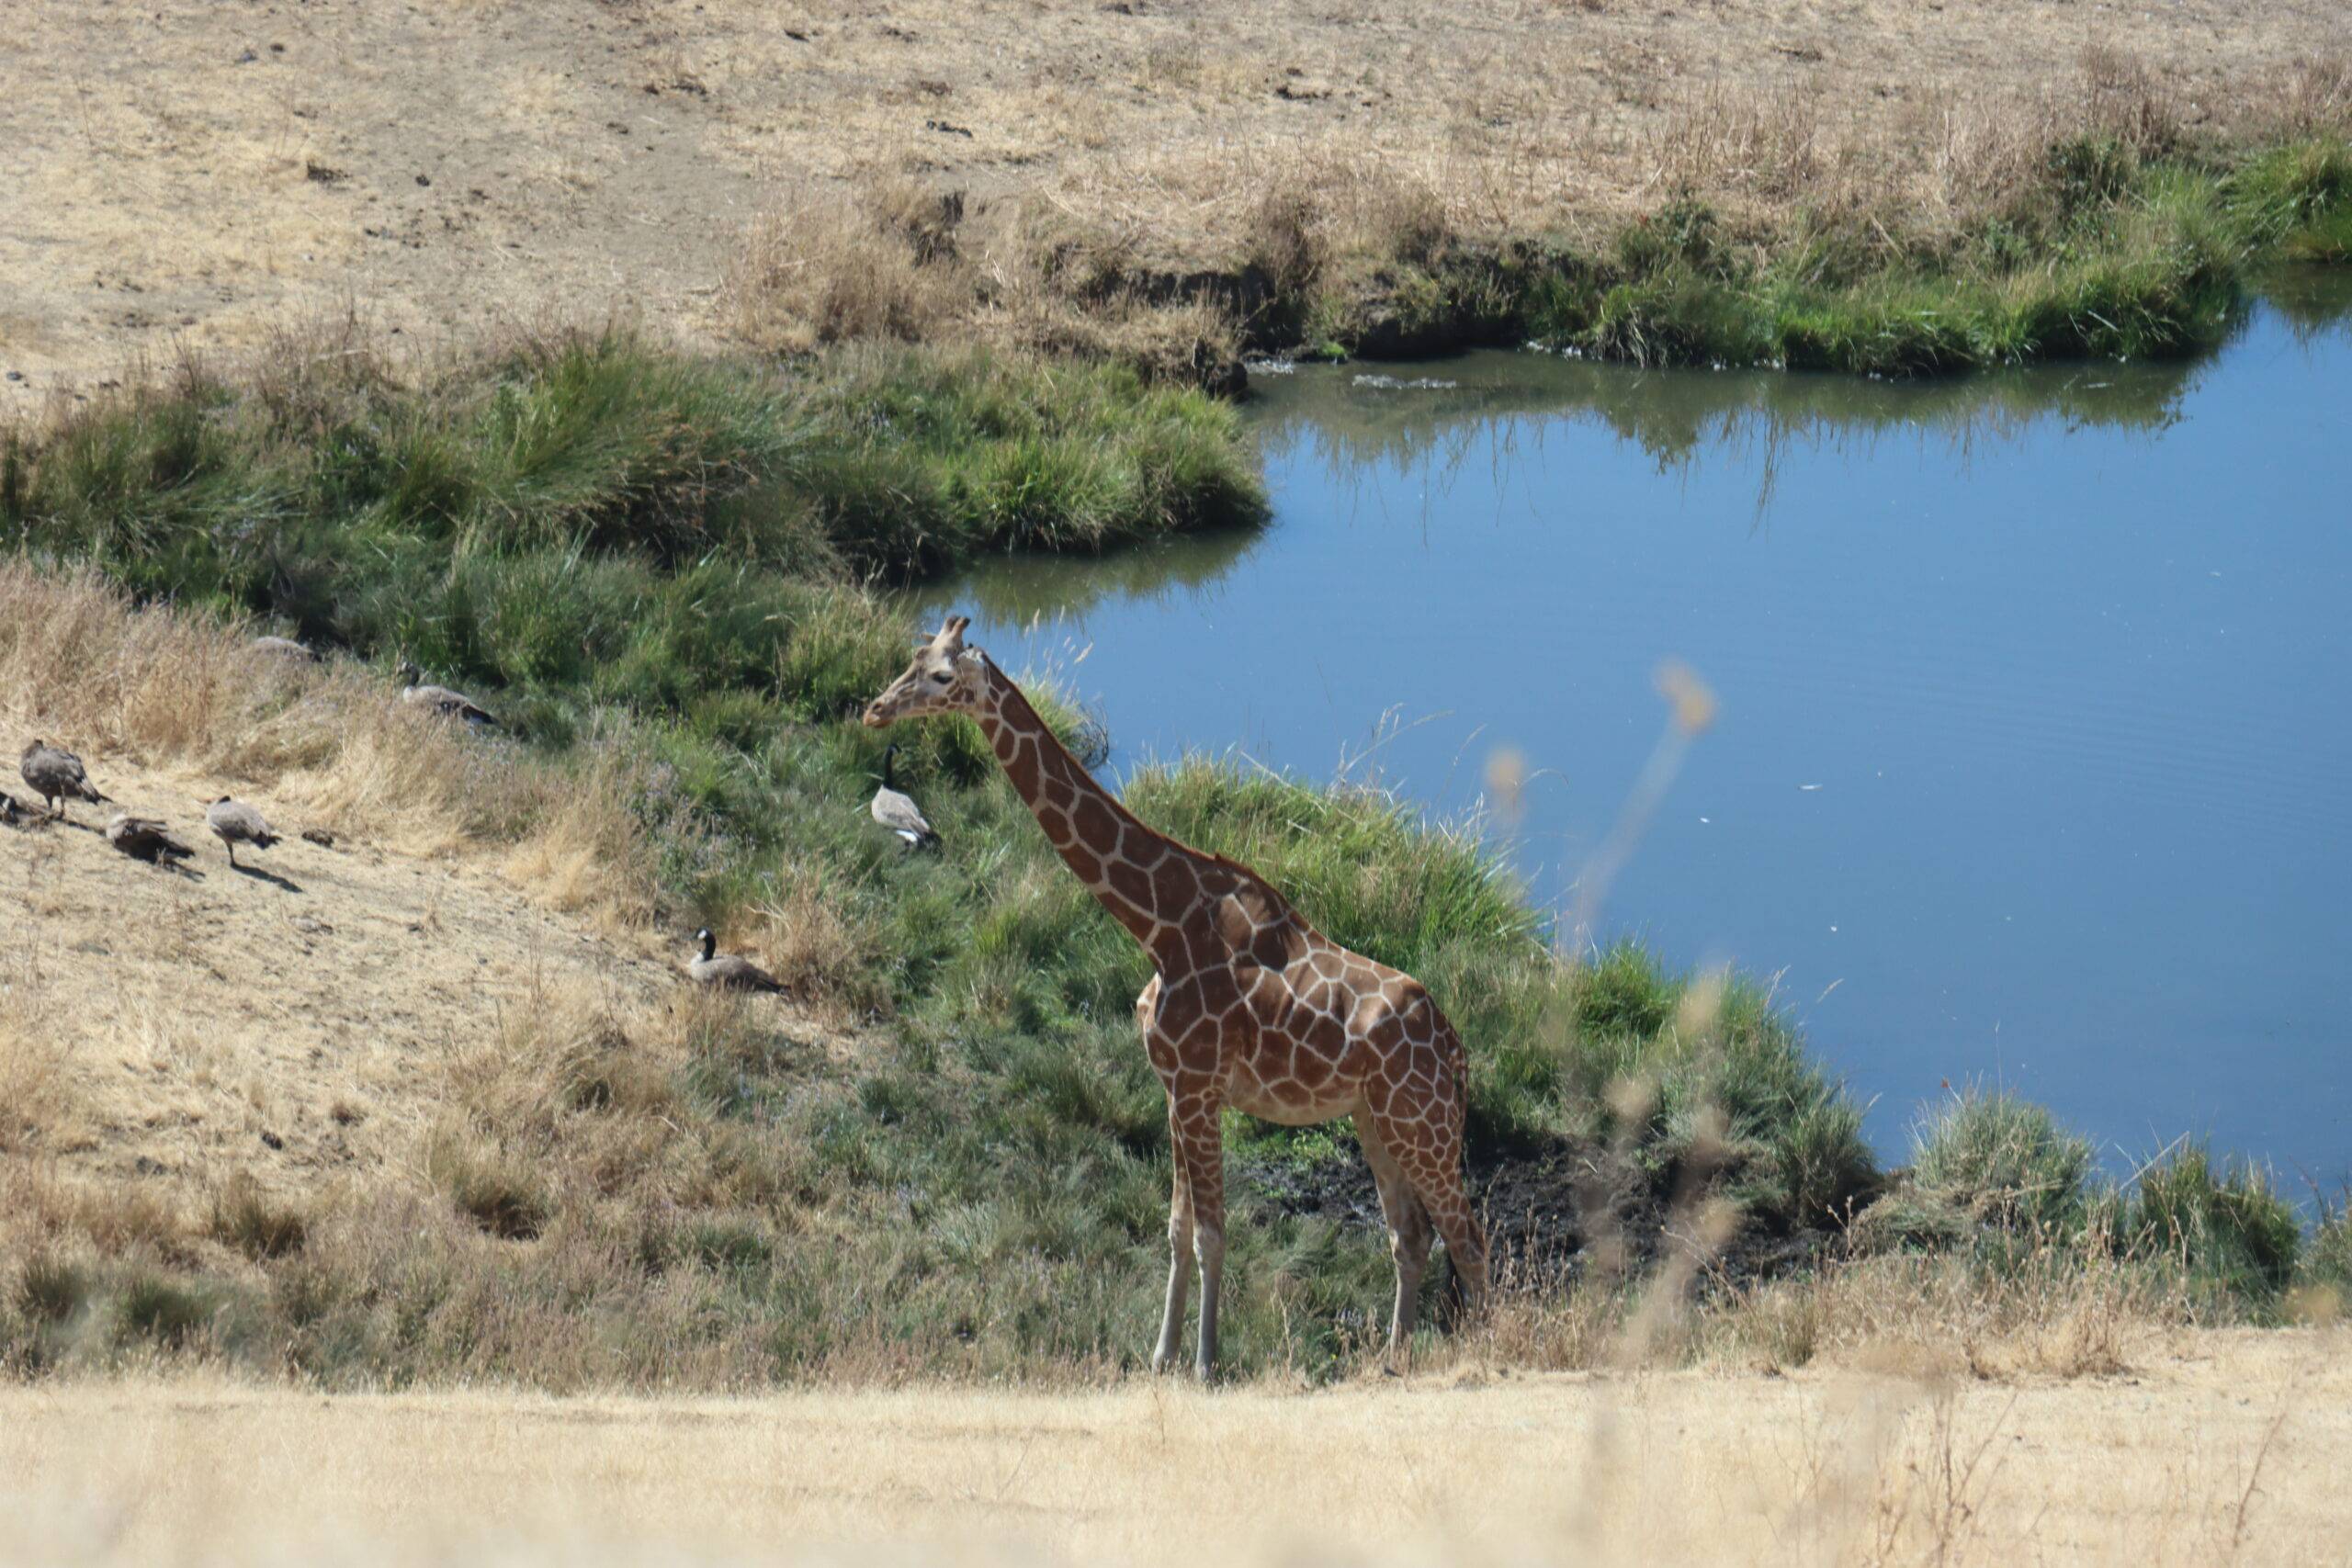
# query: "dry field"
[2227,1446]
[285,1021]
[186,170]
[290,1025]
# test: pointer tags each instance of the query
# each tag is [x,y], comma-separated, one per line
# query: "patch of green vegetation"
[2111,252]
[493,1188]
[52,1290]
[163,1310]
[2297,198]
[2327,1261]
[2003,1161]
[594,519]
[248,1219]
[2227,1227]
[1996,1177]
[2145,268]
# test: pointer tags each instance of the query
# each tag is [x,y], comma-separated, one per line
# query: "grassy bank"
[2104,230]
[2108,246]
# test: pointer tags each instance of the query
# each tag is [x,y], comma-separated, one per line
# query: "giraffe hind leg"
[1407,1220]
[1431,1158]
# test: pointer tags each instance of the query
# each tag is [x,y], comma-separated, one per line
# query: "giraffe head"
[943,678]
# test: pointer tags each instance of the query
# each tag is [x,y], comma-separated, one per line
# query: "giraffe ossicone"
[1251,1007]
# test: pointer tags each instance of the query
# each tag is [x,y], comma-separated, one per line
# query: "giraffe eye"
[943,676]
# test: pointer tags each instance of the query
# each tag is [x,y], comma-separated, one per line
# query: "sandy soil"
[183,1025]
[200,172]
[2232,1446]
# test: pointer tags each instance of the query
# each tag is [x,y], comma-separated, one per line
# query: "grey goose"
[727,971]
[233,823]
[440,699]
[57,775]
[143,838]
[896,810]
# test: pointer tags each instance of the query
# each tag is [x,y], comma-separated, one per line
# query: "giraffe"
[1251,1007]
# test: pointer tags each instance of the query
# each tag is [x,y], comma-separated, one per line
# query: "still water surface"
[2033,759]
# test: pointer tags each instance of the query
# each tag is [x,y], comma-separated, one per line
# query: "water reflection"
[1018,589]
[1351,420]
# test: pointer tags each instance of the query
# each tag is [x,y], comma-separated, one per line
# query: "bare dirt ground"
[193,172]
[2229,1447]
[289,1020]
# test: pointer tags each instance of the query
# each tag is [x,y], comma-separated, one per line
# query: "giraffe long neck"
[1125,865]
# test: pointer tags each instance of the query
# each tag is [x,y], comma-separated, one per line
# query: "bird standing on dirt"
[896,810]
[143,838]
[728,971]
[441,699]
[57,775]
[233,823]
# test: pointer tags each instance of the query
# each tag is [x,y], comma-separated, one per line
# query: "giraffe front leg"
[1201,1148]
[1179,1254]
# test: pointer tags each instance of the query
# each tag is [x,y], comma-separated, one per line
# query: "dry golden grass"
[2230,1448]
[159,688]
[207,172]
[170,1036]
[1176,271]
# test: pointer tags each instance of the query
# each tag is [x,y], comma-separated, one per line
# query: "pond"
[2032,751]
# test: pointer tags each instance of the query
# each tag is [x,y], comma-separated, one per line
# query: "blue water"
[2031,759]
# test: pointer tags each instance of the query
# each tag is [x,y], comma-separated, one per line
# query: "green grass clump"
[926,459]
[2327,1261]
[495,1189]
[2226,1227]
[163,1310]
[248,1219]
[52,1290]
[2003,1161]
[1708,1067]
[2298,198]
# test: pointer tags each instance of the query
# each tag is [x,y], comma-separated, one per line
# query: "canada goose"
[440,699]
[58,775]
[143,838]
[727,971]
[896,810]
[233,823]
[285,648]
[7,807]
